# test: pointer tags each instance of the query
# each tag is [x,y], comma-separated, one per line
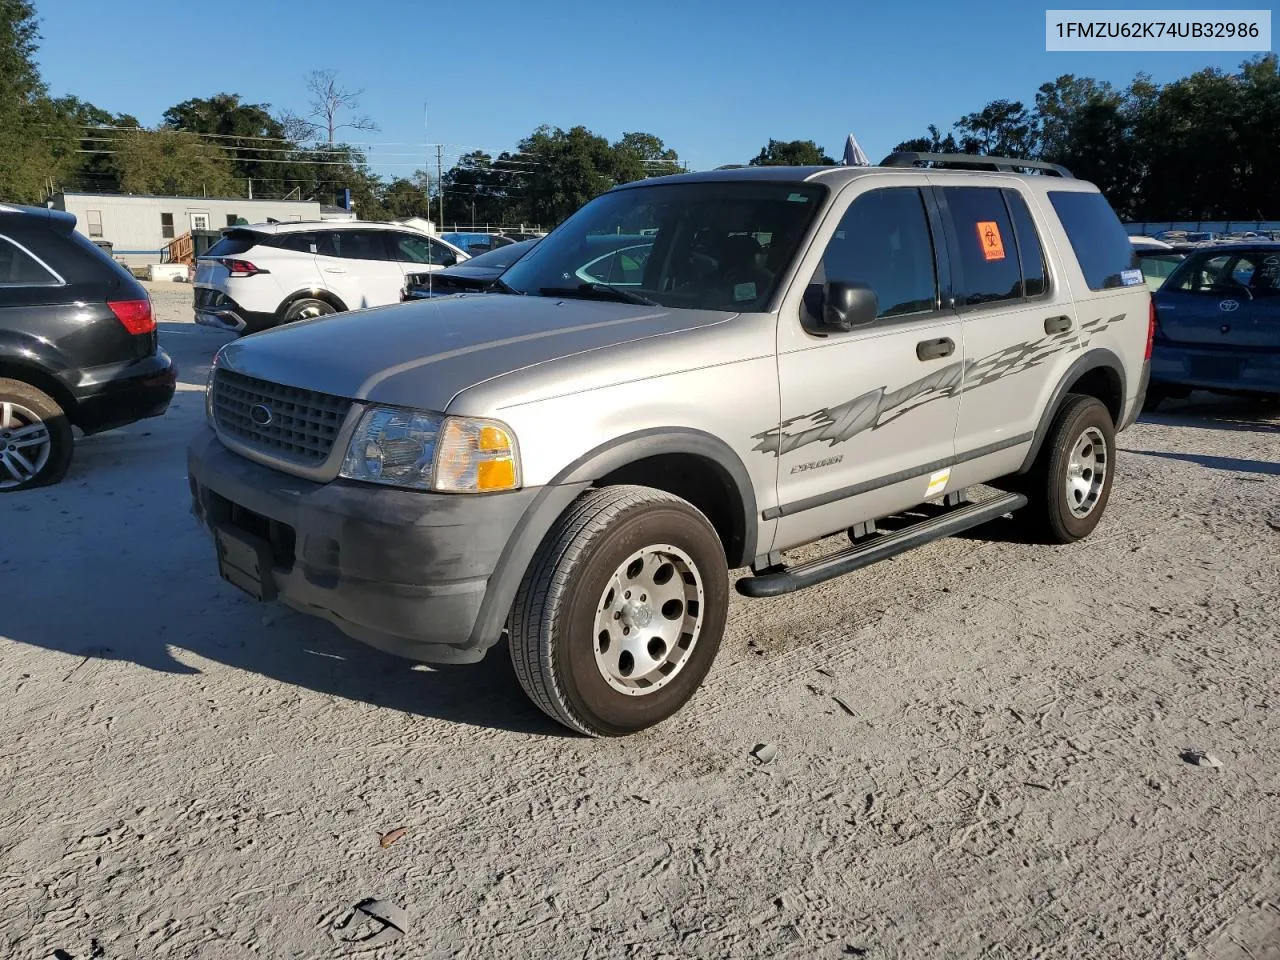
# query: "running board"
[790,579]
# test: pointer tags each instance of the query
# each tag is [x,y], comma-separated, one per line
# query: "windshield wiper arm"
[502,285]
[603,289]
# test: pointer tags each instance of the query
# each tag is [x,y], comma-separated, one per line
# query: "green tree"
[640,155]
[791,153]
[34,141]
[405,197]
[255,139]
[482,190]
[935,142]
[172,162]
[1003,128]
[563,170]
[1088,127]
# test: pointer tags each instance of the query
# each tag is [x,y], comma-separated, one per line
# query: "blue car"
[1218,323]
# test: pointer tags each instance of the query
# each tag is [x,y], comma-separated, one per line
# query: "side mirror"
[848,305]
[449,260]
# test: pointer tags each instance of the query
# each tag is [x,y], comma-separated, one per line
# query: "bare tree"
[330,101]
[297,128]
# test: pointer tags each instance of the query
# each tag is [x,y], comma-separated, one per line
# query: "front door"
[868,415]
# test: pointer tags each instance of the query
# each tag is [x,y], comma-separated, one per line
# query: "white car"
[266,274]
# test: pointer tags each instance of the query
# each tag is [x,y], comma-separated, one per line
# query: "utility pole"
[440,179]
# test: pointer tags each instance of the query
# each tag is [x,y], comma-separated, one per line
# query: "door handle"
[934,349]
[1057,324]
[334,270]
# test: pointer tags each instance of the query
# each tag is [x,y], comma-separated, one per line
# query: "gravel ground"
[978,744]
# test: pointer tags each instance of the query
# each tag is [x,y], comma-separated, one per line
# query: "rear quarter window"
[1101,246]
[234,243]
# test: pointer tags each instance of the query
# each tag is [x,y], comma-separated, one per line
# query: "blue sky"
[715,80]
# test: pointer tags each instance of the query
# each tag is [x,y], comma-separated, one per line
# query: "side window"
[988,270]
[1103,249]
[1030,250]
[623,267]
[298,242]
[166,226]
[358,245]
[884,241]
[20,269]
[1209,275]
[409,248]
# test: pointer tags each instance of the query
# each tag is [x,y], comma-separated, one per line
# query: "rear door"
[357,265]
[1020,325]
[1223,300]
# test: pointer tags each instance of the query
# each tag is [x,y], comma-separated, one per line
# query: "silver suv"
[690,375]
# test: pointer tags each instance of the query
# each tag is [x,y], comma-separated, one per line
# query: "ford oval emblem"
[260,414]
[1228,306]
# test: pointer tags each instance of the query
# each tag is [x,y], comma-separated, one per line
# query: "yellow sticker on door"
[937,483]
[992,242]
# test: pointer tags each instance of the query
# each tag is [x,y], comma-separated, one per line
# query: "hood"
[423,353]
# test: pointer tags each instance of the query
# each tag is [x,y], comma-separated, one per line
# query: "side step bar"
[790,579]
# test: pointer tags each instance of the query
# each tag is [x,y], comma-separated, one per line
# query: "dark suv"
[78,346]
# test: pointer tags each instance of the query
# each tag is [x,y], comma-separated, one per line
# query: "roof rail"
[909,158]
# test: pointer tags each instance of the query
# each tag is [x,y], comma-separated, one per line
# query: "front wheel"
[621,612]
[1070,483]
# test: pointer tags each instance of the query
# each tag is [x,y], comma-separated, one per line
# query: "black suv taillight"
[136,316]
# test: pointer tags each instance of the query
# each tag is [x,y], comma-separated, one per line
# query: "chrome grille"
[303,424]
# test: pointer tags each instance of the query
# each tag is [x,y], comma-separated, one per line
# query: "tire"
[1153,399]
[306,309]
[1082,431]
[36,441]
[564,640]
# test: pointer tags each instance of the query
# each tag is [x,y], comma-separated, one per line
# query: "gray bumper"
[403,571]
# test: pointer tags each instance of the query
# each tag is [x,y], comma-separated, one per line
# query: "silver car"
[759,358]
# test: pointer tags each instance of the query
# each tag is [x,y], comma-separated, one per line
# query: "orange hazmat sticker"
[992,242]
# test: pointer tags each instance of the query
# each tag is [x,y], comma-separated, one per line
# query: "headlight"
[424,451]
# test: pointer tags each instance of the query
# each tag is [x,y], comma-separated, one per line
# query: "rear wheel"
[1070,483]
[36,441]
[307,308]
[621,612]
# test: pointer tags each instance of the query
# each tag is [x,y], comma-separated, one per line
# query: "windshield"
[501,258]
[702,246]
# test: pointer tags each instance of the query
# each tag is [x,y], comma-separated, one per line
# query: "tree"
[1003,128]
[30,129]
[563,169]
[791,153]
[256,140]
[174,162]
[641,155]
[933,143]
[404,197]
[483,187]
[329,102]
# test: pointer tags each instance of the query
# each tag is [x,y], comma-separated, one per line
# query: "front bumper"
[401,570]
[1244,370]
[123,393]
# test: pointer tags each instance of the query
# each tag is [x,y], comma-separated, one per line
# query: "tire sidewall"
[603,708]
[1086,413]
[299,305]
[60,432]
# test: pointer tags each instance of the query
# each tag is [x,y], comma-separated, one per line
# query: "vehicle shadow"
[1210,412]
[1232,464]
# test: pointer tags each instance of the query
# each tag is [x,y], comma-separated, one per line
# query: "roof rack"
[909,158]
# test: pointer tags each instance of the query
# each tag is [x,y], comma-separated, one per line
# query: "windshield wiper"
[603,290]
[504,287]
